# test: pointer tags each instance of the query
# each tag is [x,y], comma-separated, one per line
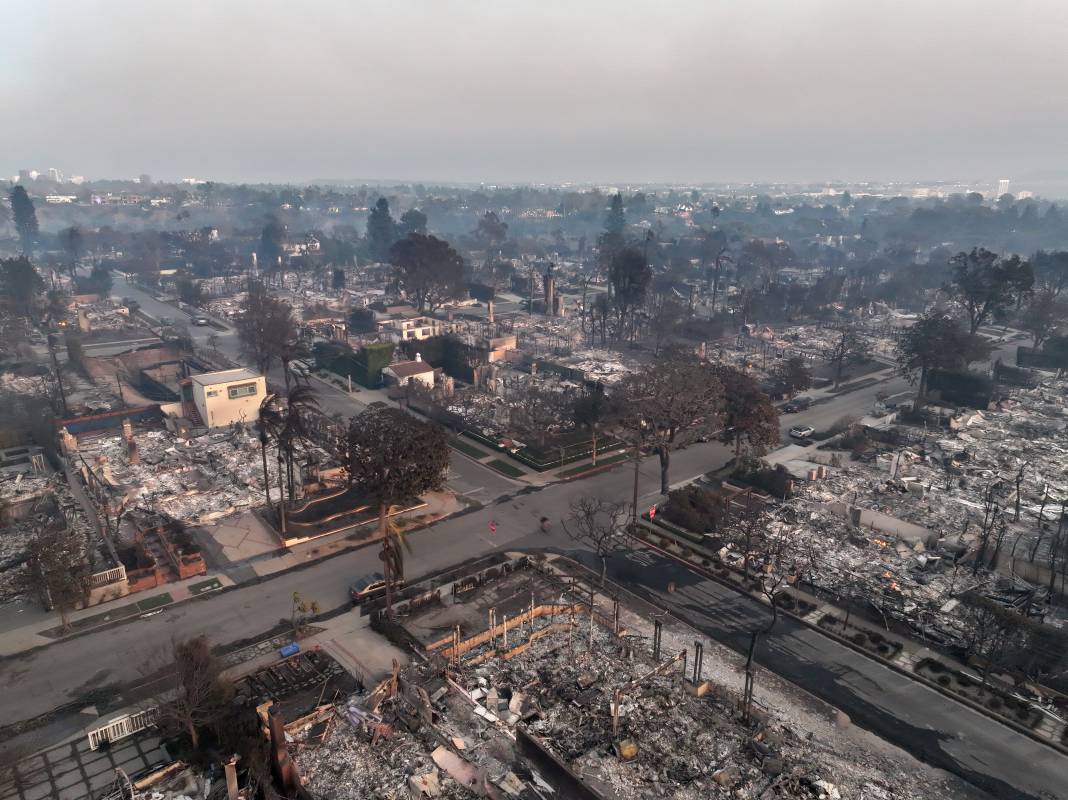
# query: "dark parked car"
[797,404]
[371,585]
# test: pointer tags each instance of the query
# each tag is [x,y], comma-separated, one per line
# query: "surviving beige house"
[233,395]
[402,373]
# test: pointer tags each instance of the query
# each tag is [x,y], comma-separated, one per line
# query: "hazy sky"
[500,91]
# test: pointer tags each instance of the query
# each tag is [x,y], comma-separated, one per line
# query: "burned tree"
[792,376]
[992,632]
[748,413]
[200,694]
[779,563]
[592,411]
[670,403]
[265,327]
[539,409]
[393,458]
[849,349]
[58,571]
[629,277]
[600,525]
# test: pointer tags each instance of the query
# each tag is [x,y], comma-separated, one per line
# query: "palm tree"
[269,425]
[301,403]
[394,543]
[291,351]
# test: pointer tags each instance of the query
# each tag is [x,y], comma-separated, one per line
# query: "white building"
[233,395]
[403,323]
[403,373]
[1003,186]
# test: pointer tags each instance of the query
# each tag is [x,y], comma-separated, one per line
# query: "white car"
[801,431]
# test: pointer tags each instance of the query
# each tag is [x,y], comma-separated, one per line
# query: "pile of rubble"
[605,366]
[45,501]
[344,765]
[473,727]
[194,480]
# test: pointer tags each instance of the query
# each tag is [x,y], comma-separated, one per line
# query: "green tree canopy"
[428,270]
[25,216]
[381,231]
[22,285]
[936,341]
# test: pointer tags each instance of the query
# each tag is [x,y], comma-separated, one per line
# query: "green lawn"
[209,585]
[467,449]
[152,603]
[615,459]
[508,469]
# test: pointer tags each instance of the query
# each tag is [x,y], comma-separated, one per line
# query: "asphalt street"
[924,722]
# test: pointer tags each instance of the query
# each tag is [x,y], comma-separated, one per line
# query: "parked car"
[802,431]
[370,585]
[200,321]
[797,404]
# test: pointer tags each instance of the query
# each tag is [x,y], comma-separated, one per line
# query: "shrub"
[994,703]
[859,638]
[943,680]
[694,508]
[777,481]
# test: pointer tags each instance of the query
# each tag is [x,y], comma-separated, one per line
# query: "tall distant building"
[55,175]
[24,175]
[1003,186]
[144,179]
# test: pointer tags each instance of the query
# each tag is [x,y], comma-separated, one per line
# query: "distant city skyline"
[550,92]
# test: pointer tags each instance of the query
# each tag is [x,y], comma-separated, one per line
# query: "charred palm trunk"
[266,474]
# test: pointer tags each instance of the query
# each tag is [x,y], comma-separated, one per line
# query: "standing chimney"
[230,769]
[489,311]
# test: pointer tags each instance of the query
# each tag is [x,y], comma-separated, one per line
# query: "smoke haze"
[536,91]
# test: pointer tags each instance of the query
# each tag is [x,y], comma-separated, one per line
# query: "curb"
[965,701]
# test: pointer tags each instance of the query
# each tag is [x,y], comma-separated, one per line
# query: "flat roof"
[225,376]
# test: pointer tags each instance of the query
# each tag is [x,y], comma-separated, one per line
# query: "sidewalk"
[44,629]
[47,629]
